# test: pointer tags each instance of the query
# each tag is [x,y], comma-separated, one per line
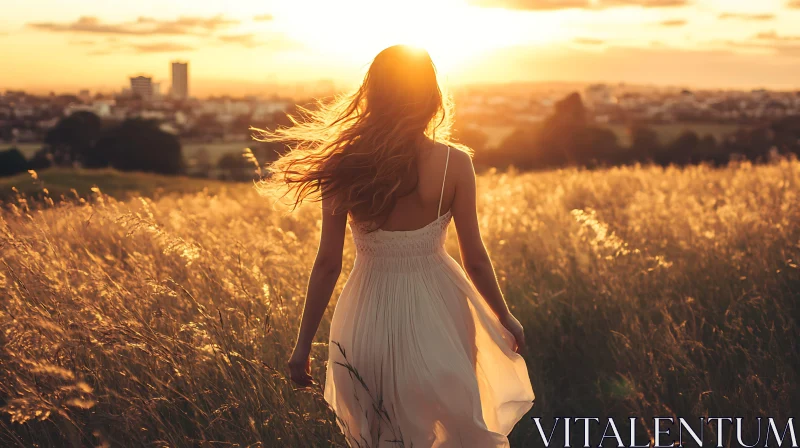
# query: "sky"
[238,47]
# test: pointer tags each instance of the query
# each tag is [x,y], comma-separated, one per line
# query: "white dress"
[416,356]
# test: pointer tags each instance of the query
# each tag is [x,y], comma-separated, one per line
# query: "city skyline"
[239,49]
[180,80]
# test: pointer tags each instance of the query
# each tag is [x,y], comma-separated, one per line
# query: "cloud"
[588,41]
[551,5]
[643,3]
[145,48]
[742,16]
[82,42]
[246,40]
[773,36]
[534,5]
[782,45]
[264,18]
[770,43]
[676,22]
[187,25]
[794,4]
[84,24]
[161,47]
[143,26]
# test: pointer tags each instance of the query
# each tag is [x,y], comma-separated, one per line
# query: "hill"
[644,291]
[117,184]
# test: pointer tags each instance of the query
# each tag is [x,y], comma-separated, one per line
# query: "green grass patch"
[118,184]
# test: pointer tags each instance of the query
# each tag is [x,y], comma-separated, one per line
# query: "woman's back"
[421,206]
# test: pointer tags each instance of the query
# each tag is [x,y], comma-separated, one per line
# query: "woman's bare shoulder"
[461,160]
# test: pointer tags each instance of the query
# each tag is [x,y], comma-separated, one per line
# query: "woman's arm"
[474,256]
[324,274]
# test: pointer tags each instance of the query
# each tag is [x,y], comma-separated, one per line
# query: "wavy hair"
[362,148]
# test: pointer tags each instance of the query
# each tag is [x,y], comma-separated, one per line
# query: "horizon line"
[339,86]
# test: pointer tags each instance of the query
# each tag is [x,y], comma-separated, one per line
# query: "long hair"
[361,149]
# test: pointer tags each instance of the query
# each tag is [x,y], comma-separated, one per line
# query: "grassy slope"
[120,185]
[168,322]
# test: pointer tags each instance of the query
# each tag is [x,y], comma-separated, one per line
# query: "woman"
[418,355]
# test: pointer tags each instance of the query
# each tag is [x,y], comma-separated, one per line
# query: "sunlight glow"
[452,32]
[238,47]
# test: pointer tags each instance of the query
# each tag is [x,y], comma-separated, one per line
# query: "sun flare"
[450,30]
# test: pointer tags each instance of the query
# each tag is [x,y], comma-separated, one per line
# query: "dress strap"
[444,177]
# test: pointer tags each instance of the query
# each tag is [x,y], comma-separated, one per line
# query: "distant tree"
[564,138]
[140,145]
[709,151]
[569,112]
[680,151]
[519,148]
[234,167]
[472,137]
[41,159]
[595,146]
[72,138]
[645,144]
[560,142]
[786,133]
[689,148]
[12,162]
[266,152]
[753,144]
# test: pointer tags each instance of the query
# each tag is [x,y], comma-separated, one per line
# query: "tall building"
[142,86]
[156,90]
[180,80]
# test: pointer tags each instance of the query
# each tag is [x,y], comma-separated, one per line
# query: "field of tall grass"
[644,292]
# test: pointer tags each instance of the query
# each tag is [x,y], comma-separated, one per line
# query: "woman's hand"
[512,325]
[300,367]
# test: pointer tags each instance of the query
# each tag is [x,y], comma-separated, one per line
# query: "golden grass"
[167,322]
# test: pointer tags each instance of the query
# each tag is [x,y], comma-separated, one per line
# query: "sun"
[454,33]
